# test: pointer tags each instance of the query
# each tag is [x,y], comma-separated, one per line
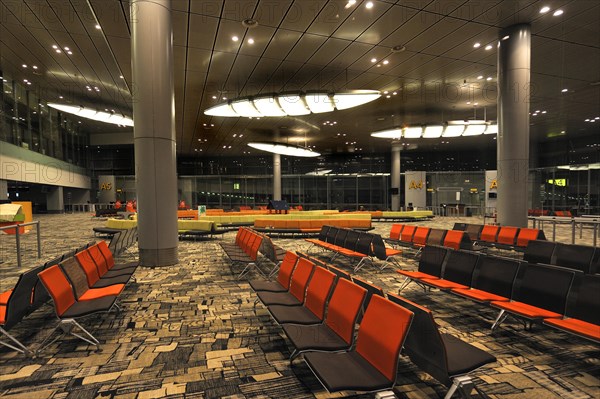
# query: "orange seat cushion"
[479,295]
[95,293]
[577,326]
[417,275]
[392,252]
[523,309]
[4,297]
[444,284]
[2,314]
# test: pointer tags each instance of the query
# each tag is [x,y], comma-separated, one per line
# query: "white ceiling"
[315,45]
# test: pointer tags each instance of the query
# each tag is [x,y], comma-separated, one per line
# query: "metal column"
[276,177]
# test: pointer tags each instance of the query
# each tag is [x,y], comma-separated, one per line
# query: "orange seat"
[507,235]
[453,239]
[408,233]
[523,309]
[489,233]
[526,235]
[2,314]
[479,295]
[95,293]
[395,231]
[420,237]
[4,297]
[576,326]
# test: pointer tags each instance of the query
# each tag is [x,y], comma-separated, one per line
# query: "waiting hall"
[299,199]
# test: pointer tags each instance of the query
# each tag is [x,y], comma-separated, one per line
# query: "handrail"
[593,221]
[17,227]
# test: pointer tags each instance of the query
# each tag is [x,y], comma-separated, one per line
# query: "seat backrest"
[108,256]
[344,307]
[595,267]
[339,272]
[371,289]
[340,237]
[300,277]
[381,335]
[436,237]
[578,257]
[424,345]
[544,286]
[420,237]
[76,276]
[20,303]
[525,235]
[318,291]
[395,231]
[378,247]
[507,235]
[460,266]
[453,239]
[407,233]
[473,231]
[331,234]
[99,260]
[539,251]
[323,233]
[89,266]
[489,233]
[58,287]
[351,240]
[496,275]
[584,298]
[432,260]
[459,226]
[286,268]
[363,245]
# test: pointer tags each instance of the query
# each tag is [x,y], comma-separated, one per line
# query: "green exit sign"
[236,186]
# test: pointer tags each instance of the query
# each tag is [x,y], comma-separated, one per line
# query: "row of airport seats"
[546,212]
[80,282]
[355,245]
[500,237]
[559,297]
[578,257]
[318,308]
[402,216]
[122,240]
[417,237]
[307,226]
[246,248]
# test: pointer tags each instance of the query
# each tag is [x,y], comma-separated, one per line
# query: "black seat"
[436,237]
[458,271]
[351,240]
[443,356]
[473,231]
[577,257]
[493,280]
[459,226]
[430,266]
[539,251]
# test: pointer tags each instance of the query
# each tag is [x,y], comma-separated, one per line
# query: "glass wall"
[28,122]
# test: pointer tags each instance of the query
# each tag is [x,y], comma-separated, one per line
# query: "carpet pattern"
[192,331]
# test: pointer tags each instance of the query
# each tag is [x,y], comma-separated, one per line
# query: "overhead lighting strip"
[451,129]
[93,114]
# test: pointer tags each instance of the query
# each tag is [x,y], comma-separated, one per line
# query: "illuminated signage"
[415,185]
[106,186]
[558,182]
[494,184]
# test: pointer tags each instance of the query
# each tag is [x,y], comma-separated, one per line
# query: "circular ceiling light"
[249,23]
[284,149]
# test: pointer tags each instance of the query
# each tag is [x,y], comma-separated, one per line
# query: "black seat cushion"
[278,298]
[346,371]
[270,286]
[88,307]
[105,282]
[293,315]
[118,273]
[463,357]
[315,336]
[127,265]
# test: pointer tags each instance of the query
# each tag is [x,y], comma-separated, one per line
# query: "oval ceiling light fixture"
[93,114]
[284,149]
[292,104]
[475,128]
[413,132]
[433,132]
[388,134]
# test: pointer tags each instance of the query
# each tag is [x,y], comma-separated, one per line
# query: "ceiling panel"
[305,48]
[301,14]
[361,19]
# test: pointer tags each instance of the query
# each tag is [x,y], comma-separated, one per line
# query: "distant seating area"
[307,226]
[318,309]
[80,282]
[531,292]
[401,216]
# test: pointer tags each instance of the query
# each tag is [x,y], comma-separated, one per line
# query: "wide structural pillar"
[395,177]
[514,78]
[154,131]
[276,177]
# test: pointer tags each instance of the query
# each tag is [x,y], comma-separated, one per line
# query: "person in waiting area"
[118,204]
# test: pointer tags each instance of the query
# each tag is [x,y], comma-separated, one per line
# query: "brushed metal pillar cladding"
[514,87]
[154,131]
[277,177]
[395,176]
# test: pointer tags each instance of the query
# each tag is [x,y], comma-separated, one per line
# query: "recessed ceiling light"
[350,3]
[558,13]
[378,65]
[480,77]
[488,47]
[54,46]
[61,97]
[386,62]
[224,98]
[251,41]
[489,78]
[373,60]
[34,67]
[477,45]
[121,77]
[394,93]
[369,5]
[235,38]
[67,49]
[214,97]
[388,96]
[24,65]
[98,26]
[386,92]
[506,37]
[468,102]
[564,90]
[29,83]
[69,52]
[544,10]
[25,80]
[58,51]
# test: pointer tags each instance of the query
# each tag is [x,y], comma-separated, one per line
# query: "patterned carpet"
[191,331]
